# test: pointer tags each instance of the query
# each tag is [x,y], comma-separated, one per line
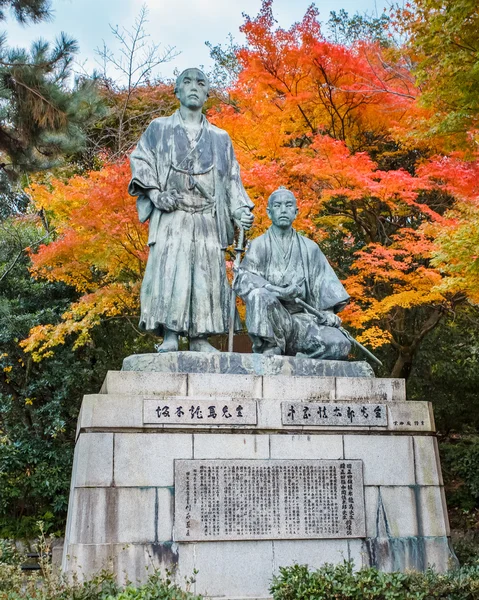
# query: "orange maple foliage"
[307,114]
[100,250]
[456,249]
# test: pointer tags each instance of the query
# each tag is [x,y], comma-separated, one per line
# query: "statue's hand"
[166,201]
[245,218]
[330,319]
[289,292]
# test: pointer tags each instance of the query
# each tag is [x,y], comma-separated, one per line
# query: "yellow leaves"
[112,301]
[374,337]
[100,238]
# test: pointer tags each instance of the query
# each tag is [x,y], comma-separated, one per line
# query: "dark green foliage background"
[40,402]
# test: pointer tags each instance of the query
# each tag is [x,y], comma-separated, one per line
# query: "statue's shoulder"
[161,122]
[219,132]
[311,247]
[259,246]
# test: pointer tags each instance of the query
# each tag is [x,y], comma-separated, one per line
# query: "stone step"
[280,387]
[110,412]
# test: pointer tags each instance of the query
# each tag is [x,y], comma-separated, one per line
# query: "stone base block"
[127,473]
[244,364]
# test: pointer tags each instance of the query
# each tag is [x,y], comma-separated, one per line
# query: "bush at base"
[341,582]
[14,585]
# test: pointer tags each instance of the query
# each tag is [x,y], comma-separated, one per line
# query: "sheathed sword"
[236,264]
[346,333]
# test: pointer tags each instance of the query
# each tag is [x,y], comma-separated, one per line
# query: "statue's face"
[192,89]
[282,210]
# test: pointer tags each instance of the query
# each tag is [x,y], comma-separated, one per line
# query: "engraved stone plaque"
[333,415]
[268,499]
[179,410]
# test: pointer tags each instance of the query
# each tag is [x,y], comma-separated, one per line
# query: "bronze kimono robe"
[185,287]
[274,322]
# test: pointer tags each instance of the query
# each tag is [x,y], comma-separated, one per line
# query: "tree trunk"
[404,362]
[403,365]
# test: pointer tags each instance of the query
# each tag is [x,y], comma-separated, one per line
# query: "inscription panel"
[333,415]
[177,410]
[268,499]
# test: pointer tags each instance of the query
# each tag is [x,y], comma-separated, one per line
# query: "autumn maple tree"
[100,250]
[331,122]
[311,114]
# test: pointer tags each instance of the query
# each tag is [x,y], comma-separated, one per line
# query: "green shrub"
[14,585]
[459,458]
[341,582]
[50,585]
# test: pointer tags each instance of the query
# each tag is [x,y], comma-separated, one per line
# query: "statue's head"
[192,87]
[282,208]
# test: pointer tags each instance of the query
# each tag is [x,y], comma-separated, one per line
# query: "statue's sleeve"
[327,292]
[250,274]
[144,172]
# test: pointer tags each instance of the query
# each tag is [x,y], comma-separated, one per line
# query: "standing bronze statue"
[280,268]
[188,184]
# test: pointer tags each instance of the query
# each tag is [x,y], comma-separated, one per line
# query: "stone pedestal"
[235,465]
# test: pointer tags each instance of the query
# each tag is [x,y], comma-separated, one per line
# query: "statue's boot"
[170,342]
[201,345]
[272,351]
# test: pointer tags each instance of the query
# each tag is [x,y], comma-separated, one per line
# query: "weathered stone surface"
[121,515]
[111,410]
[432,516]
[147,459]
[222,384]
[388,460]
[410,416]
[133,382]
[370,390]
[188,411]
[130,562]
[244,364]
[439,554]
[93,462]
[390,511]
[283,387]
[410,554]
[218,445]
[313,553]
[357,554]
[234,569]
[426,456]
[307,446]
[325,415]
[269,415]
[268,499]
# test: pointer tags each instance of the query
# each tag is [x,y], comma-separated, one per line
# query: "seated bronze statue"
[279,267]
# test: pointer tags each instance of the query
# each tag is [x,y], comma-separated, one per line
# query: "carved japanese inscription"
[177,410]
[333,415]
[268,499]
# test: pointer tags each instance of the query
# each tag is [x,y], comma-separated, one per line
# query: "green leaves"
[342,582]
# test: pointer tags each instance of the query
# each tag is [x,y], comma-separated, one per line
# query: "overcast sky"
[184,24]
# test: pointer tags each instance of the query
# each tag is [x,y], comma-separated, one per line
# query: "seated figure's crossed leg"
[274,330]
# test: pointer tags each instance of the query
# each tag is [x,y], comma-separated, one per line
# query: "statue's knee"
[342,343]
